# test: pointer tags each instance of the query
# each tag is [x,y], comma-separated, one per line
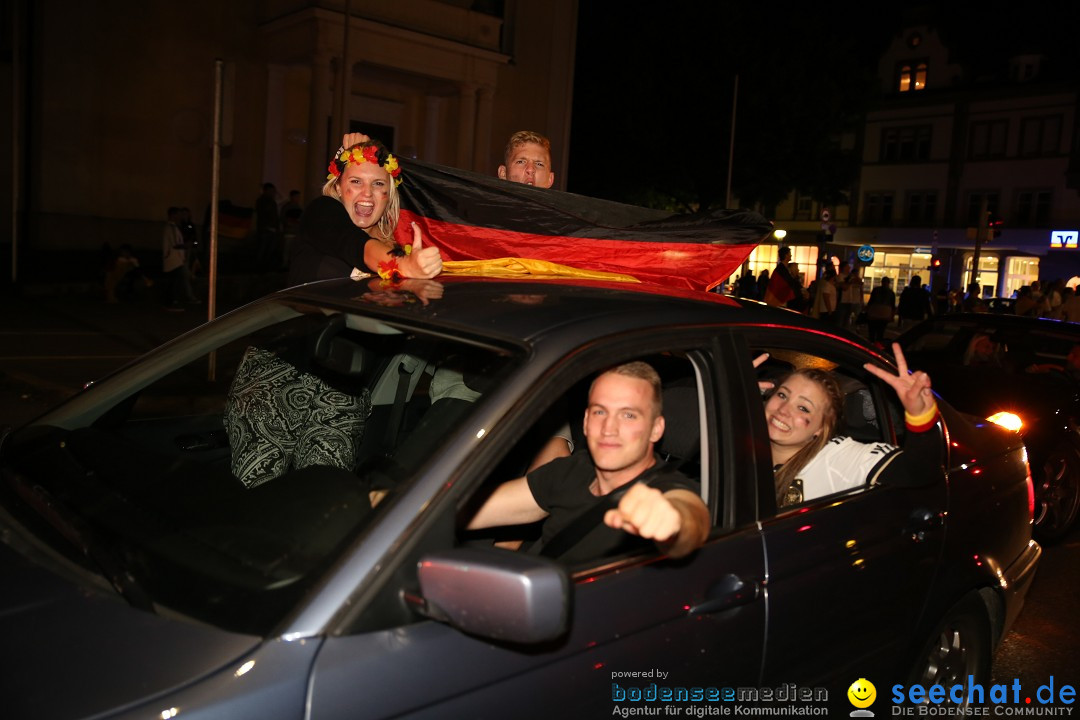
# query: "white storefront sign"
[1064,239]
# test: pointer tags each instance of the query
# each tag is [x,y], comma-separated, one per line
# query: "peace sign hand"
[913,388]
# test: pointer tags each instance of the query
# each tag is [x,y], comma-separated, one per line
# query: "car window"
[679,450]
[862,433]
[1031,347]
[222,481]
[1053,348]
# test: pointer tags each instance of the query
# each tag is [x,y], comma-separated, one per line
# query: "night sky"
[653,86]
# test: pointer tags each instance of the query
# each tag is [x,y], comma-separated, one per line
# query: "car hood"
[74,651]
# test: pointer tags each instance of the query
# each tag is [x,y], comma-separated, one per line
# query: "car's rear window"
[1016,348]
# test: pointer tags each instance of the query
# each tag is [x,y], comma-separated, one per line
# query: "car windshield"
[218,477]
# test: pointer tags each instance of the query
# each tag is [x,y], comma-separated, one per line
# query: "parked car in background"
[265,518]
[990,365]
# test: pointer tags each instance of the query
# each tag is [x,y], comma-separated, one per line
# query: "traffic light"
[935,262]
[993,225]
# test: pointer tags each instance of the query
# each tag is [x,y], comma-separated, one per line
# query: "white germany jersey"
[844,463]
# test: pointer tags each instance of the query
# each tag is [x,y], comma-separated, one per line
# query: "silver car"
[265,518]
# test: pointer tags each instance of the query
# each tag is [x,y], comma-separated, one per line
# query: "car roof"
[1005,321]
[525,309]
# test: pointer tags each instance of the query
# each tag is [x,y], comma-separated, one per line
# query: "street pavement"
[54,340]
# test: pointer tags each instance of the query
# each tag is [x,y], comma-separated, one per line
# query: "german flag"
[470,216]
[234,221]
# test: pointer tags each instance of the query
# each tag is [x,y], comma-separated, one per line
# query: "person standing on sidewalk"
[973,301]
[783,289]
[880,310]
[291,213]
[174,263]
[191,241]
[915,305]
[850,284]
[826,294]
[267,229]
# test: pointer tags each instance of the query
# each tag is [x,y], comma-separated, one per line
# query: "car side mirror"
[495,594]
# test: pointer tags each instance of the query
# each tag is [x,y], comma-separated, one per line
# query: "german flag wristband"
[923,421]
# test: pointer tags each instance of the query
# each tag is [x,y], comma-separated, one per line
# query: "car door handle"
[920,522]
[728,592]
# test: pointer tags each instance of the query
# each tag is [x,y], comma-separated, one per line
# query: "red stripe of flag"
[477,217]
[694,266]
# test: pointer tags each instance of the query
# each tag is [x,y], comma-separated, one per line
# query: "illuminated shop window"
[764,258]
[900,266]
[1019,271]
[988,274]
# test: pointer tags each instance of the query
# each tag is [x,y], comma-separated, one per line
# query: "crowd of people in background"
[273,227]
[1057,301]
[282,232]
[838,296]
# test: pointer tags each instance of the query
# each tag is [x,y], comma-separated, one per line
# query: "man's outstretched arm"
[676,520]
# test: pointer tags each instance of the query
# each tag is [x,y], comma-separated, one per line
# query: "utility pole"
[980,238]
[215,191]
[16,136]
[344,88]
[731,146]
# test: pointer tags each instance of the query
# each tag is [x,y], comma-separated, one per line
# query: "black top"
[882,295]
[784,273]
[561,488]
[915,303]
[330,244]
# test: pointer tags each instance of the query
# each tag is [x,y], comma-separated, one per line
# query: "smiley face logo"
[862,693]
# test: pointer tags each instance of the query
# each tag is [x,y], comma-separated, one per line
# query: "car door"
[638,623]
[848,573]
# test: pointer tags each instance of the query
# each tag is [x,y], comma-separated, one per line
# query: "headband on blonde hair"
[371,151]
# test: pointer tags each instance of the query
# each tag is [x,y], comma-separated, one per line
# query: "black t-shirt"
[914,303]
[561,488]
[330,244]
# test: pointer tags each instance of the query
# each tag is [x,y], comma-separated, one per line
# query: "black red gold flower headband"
[368,152]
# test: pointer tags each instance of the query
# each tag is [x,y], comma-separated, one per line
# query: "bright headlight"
[1007,420]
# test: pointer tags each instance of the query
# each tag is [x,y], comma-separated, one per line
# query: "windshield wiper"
[76,532]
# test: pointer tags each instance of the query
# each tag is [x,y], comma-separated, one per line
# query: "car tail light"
[1007,420]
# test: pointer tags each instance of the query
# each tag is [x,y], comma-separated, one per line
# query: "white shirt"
[853,293]
[173,254]
[843,464]
[828,296]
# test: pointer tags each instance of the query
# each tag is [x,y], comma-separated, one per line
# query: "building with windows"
[958,167]
[114,123]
